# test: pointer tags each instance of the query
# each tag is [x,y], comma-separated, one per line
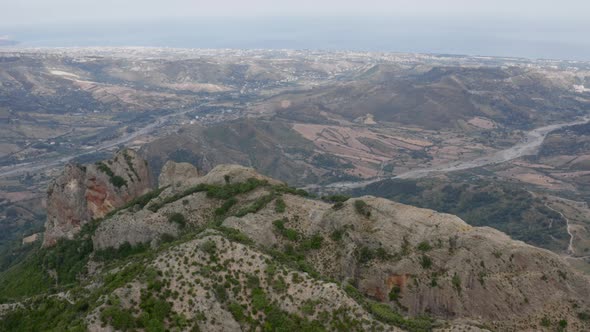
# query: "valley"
[326,121]
[225,189]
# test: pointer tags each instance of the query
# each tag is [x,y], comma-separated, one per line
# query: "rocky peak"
[175,174]
[85,192]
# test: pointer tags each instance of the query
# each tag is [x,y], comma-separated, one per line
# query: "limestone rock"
[86,192]
[175,174]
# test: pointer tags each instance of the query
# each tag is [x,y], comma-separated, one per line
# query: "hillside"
[234,250]
[439,97]
[272,147]
[508,208]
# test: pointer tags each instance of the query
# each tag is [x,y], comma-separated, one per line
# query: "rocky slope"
[86,192]
[233,250]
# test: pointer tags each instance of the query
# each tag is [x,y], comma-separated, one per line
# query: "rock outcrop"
[234,250]
[415,260]
[176,174]
[86,192]
[144,226]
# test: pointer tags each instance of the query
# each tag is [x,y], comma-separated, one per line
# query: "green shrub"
[362,208]
[335,198]
[118,181]
[235,235]
[424,246]
[105,169]
[177,218]
[394,293]
[365,254]
[226,191]
[155,312]
[224,208]
[256,206]
[280,205]
[289,190]
[290,234]
[220,293]
[14,286]
[209,247]
[237,311]
[384,313]
[456,281]
[129,161]
[125,250]
[337,235]
[46,314]
[426,262]
[315,242]
[118,317]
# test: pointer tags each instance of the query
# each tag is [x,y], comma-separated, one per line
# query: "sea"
[530,38]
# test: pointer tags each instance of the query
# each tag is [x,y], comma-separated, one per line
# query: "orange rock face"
[83,193]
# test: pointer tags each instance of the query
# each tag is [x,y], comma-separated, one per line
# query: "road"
[528,146]
[31,167]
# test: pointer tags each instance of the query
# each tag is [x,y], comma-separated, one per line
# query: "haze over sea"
[496,37]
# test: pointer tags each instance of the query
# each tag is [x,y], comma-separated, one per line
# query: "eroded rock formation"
[86,192]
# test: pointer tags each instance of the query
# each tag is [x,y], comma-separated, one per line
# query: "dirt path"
[570,248]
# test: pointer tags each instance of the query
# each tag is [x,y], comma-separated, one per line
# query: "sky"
[44,11]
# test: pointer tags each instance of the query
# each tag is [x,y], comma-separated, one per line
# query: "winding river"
[528,146]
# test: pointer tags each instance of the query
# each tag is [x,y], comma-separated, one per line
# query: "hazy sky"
[43,11]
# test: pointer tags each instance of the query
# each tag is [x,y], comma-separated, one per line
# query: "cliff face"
[86,192]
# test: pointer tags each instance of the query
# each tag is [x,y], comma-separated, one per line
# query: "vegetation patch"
[225,192]
[177,218]
[288,233]
[116,180]
[335,198]
[506,207]
[384,313]
[280,205]
[129,161]
[366,254]
[425,262]
[124,251]
[362,208]
[258,205]
[226,206]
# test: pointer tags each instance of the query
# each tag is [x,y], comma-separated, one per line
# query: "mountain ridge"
[234,250]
